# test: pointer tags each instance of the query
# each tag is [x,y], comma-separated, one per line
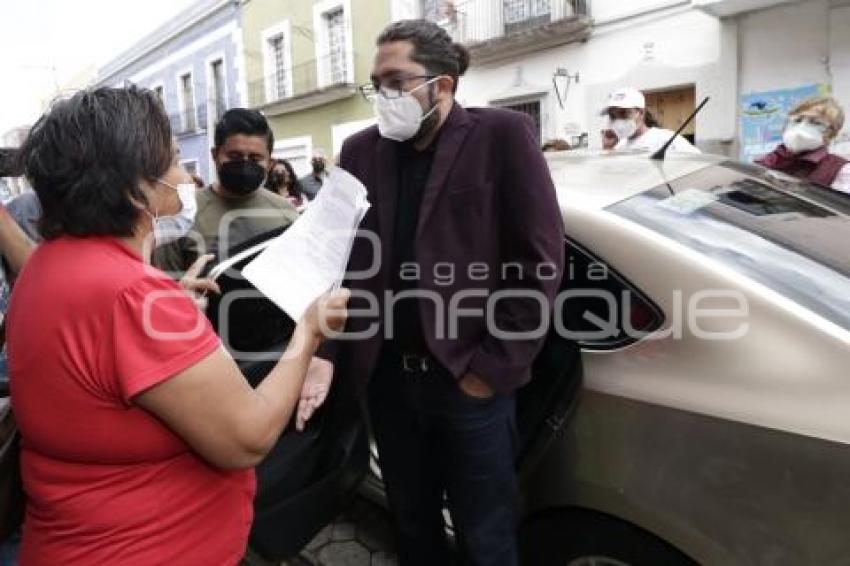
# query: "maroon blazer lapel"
[454,132]
[386,189]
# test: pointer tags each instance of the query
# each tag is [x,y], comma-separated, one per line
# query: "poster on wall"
[763,117]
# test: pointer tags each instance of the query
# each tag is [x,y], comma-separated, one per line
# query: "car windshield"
[791,236]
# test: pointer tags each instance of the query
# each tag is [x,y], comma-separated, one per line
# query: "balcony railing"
[315,77]
[201,117]
[497,28]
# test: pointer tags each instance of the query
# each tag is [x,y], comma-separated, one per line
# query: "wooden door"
[672,107]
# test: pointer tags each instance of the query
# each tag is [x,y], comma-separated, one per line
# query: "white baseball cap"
[625,98]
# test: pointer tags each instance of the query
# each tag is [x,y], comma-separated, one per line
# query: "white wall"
[795,45]
[657,44]
[297,151]
[839,52]
[839,65]
[340,132]
[785,47]
[404,9]
[682,48]
[669,48]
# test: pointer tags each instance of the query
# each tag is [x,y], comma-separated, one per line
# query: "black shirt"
[414,169]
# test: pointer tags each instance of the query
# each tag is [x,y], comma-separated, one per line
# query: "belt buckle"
[412,364]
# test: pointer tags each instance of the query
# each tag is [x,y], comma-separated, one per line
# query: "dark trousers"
[433,439]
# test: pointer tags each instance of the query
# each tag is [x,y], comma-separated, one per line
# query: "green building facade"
[303,62]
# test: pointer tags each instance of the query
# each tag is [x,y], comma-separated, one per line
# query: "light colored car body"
[734,451]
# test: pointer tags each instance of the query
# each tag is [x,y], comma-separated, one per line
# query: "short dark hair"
[650,120]
[433,47]
[86,157]
[243,121]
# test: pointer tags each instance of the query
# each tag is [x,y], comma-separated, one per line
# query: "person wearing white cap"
[626,109]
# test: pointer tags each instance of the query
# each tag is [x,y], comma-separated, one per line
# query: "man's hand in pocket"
[474,386]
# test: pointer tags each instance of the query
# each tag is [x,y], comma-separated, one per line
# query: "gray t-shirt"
[311,185]
[242,219]
[26,210]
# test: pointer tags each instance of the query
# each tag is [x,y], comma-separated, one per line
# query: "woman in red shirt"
[139,433]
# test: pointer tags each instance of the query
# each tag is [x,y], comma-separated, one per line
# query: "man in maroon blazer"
[469,262]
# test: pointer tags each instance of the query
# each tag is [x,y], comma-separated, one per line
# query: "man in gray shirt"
[311,183]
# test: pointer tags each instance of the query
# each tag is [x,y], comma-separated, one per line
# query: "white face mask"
[400,118]
[624,128]
[803,136]
[167,229]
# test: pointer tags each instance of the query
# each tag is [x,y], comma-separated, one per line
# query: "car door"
[308,477]
[544,405]
[585,301]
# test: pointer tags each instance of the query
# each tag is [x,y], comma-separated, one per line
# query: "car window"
[597,307]
[790,236]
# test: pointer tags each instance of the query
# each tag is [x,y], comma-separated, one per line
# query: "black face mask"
[241,177]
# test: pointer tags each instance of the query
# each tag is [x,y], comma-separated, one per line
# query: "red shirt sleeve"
[157,332]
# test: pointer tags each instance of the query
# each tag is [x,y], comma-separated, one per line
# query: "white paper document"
[311,256]
[688,201]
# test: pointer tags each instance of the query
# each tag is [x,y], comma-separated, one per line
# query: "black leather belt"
[416,363]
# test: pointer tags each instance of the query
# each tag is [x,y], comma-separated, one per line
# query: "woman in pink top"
[139,433]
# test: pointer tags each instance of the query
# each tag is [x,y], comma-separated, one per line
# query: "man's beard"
[430,123]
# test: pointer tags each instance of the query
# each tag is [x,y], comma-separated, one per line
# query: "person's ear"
[143,201]
[446,85]
[214,154]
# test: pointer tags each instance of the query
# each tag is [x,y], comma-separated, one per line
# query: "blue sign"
[763,116]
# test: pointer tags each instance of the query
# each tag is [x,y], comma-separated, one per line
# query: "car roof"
[597,179]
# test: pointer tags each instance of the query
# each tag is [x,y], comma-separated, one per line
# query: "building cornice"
[191,16]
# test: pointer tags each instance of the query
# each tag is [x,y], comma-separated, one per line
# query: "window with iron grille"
[523,14]
[276,49]
[190,166]
[335,22]
[439,10]
[187,89]
[218,96]
[532,108]
[430,10]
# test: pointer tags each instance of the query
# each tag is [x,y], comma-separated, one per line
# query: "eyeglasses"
[390,88]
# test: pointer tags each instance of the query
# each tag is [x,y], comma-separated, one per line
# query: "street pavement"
[361,536]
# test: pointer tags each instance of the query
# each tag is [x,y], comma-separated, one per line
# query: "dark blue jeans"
[9,550]
[434,440]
